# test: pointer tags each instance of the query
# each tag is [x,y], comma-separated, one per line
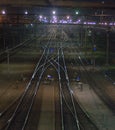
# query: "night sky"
[94,0]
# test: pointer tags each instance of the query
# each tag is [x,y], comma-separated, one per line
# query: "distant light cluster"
[73,18]
[69,20]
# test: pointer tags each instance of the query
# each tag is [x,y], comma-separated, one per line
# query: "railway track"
[70,114]
[79,118]
[17,119]
[90,78]
[24,104]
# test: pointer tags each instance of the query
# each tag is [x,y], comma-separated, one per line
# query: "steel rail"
[35,92]
[29,84]
[86,113]
[36,89]
[68,85]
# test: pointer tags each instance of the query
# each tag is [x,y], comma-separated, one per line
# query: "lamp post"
[107,47]
[4,41]
[8,59]
[86,41]
[94,50]
[81,35]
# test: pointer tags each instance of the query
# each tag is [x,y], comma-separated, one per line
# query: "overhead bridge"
[58,3]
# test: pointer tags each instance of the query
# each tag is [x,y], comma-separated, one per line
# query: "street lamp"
[68,17]
[76,12]
[26,12]
[40,16]
[8,59]
[107,47]
[53,12]
[3,12]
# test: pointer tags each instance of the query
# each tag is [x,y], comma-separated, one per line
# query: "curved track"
[70,114]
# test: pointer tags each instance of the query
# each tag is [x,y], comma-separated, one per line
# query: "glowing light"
[79,20]
[40,16]
[76,12]
[26,12]
[110,23]
[90,23]
[105,23]
[68,17]
[54,12]
[54,17]
[63,21]
[103,2]
[49,76]
[3,12]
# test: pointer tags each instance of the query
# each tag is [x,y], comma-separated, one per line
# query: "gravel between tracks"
[97,110]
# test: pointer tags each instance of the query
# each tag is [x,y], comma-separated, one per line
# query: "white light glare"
[76,12]
[3,12]
[68,17]
[40,16]
[26,12]
[53,12]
